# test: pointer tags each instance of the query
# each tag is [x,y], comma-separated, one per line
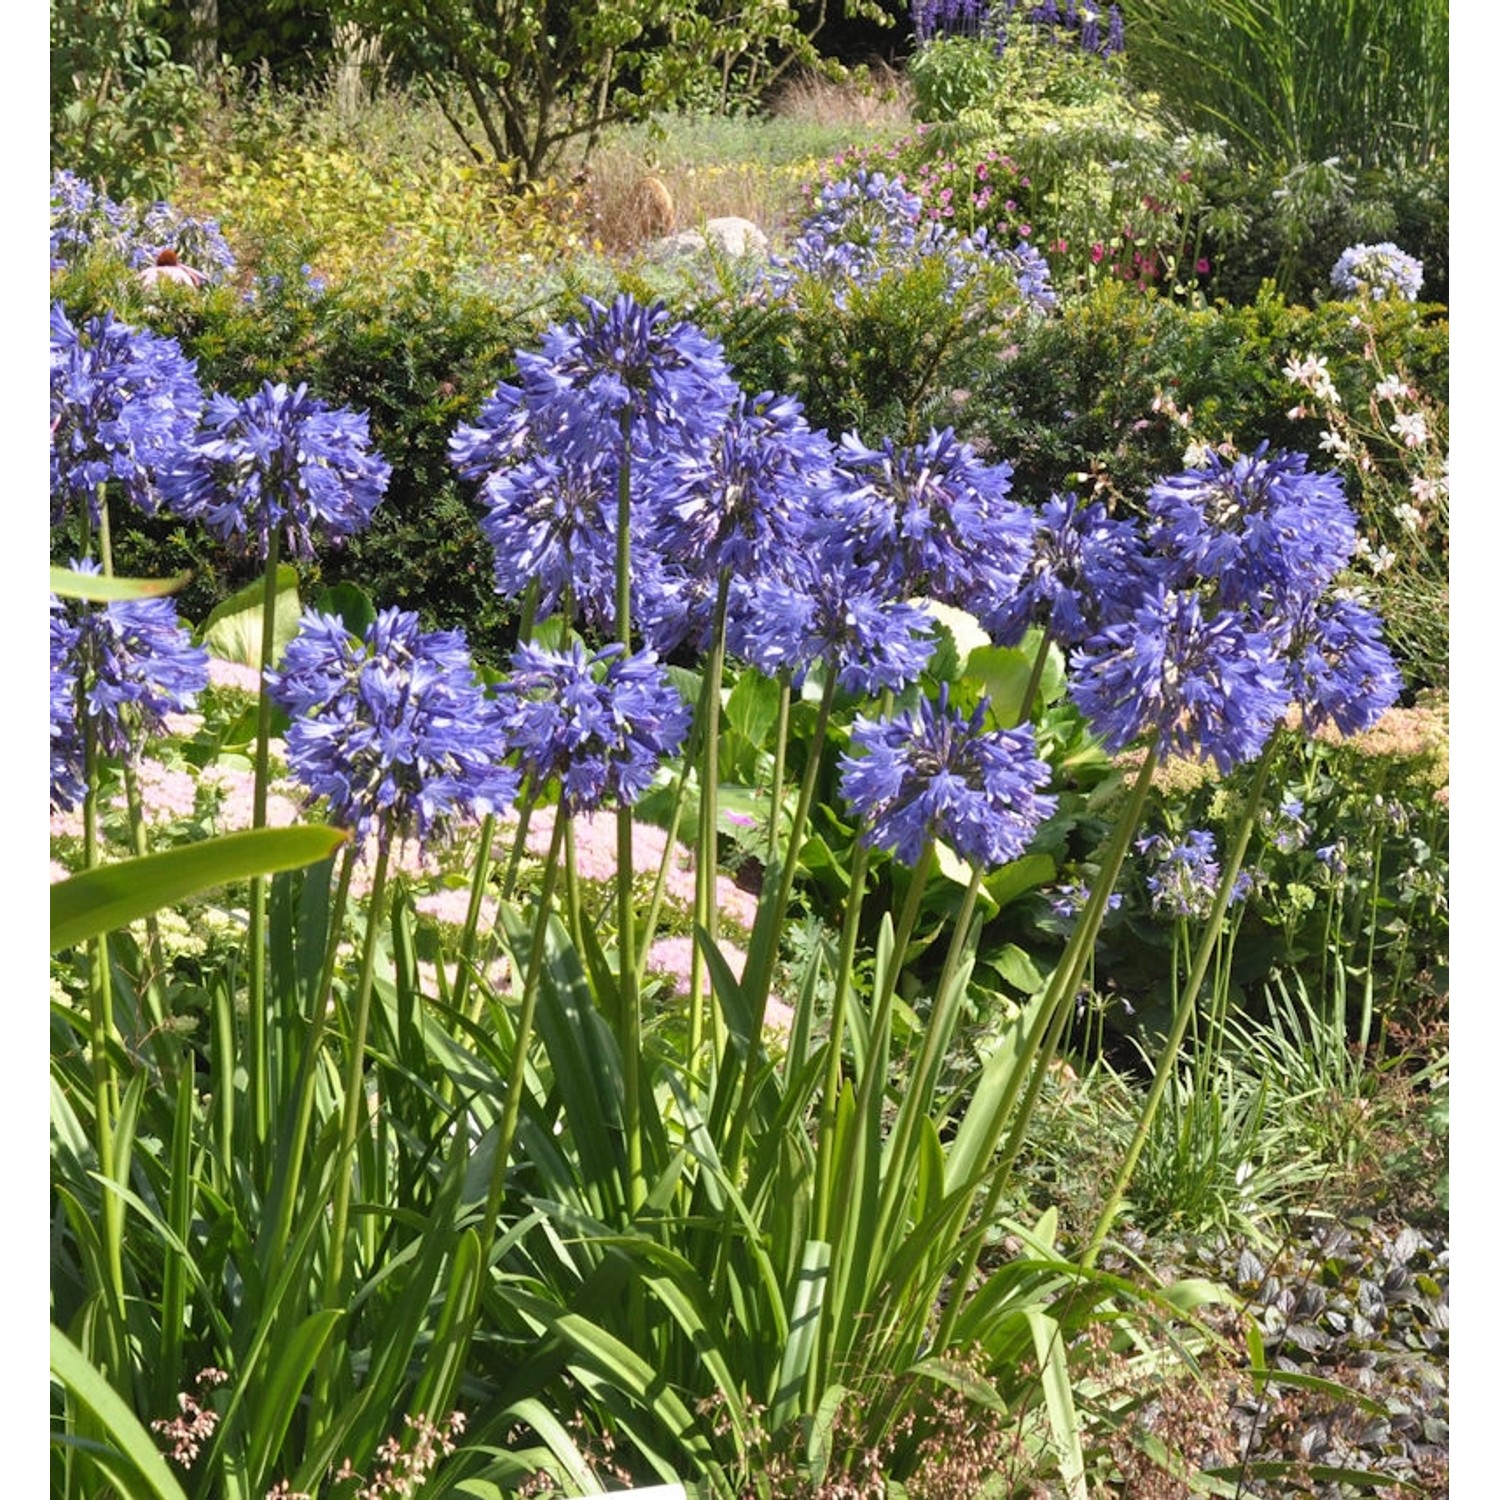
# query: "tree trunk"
[203,36]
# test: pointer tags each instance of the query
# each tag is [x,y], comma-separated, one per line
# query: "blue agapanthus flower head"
[195,242]
[134,662]
[1184,876]
[739,498]
[1339,669]
[825,611]
[124,402]
[1086,571]
[392,728]
[1263,526]
[932,516]
[933,773]
[1211,684]
[1381,272]
[82,217]
[278,460]
[599,724]
[68,788]
[860,227]
[628,360]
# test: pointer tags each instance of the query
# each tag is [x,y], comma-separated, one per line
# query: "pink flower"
[169,268]
[1202,266]
[1096,253]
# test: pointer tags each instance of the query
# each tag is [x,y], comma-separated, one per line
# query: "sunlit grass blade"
[103,588]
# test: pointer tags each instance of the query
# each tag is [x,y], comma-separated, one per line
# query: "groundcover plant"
[358,1212]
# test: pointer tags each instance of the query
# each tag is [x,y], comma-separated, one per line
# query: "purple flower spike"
[599,724]
[393,729]
[68,788]
[932,774]
[279,459]
[124,402]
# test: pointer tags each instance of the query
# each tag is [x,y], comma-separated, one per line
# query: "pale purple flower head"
[279,459]
[859,228]
[124,402]
[599,724]
[83,216]
[392,729]
[1379,272]
[1213,686]
[933,517]
[931,773]
[135,664]
[1185,874]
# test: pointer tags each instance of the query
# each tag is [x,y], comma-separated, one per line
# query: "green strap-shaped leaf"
[100,900]
[67,584]
[136,1450]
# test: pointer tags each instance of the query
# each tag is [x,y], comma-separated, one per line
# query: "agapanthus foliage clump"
[391,728]
[279,460]
[124,401]
[935,773]
[1381,272]
[124,666]
[597,724]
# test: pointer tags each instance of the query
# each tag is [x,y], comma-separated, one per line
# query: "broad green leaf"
[232,630]
[350,603]
[100,900]
[968,634]
[67,584]
[1018,877]
[1015,967]
[752,706]
[143,1468]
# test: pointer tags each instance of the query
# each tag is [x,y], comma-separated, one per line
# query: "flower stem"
[1207,944]
[258,1062]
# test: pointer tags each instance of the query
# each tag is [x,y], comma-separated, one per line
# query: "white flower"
[1392,388]
[1195,455]
[1383,560]
[1409,516]
[1311,372]
[1427,491]
[1335,443]
[1411,428]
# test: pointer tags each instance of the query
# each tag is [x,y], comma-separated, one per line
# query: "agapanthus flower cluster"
[278,460]
[128,664]
[1085,571]
[191,241]
[1184,875]
[934,773]
[83,216]
[868,226]
[1339,670]
[1380,272]
[392,728]
[627,360]
[833,614]
[1210,683]
[932,518]
[1262,526]
[599,724]
[124,401]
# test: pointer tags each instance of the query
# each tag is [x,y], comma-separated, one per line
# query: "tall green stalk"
[1207,944]
[258,1060]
